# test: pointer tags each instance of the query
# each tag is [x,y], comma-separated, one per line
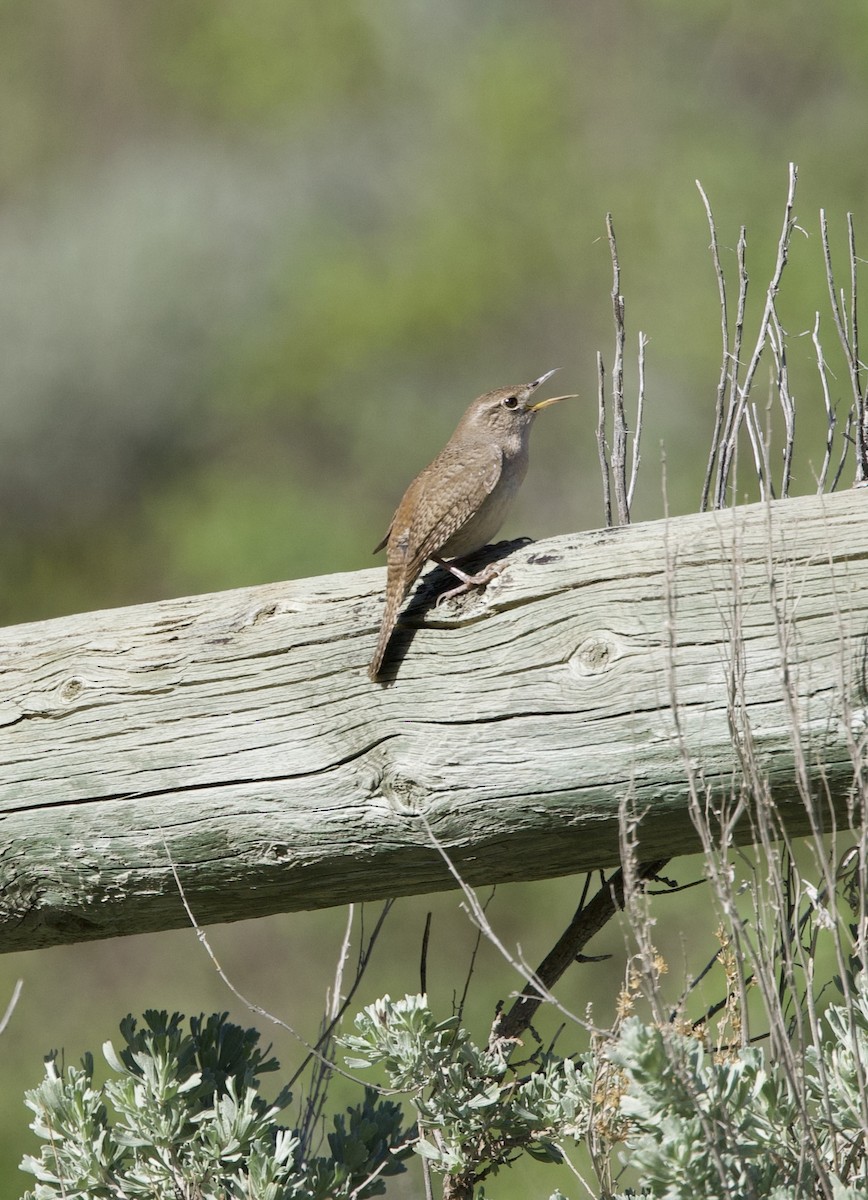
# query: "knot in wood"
[405,795]
[594,655]
[71,689]
[259,613]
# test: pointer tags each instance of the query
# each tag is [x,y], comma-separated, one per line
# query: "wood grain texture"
[239,733]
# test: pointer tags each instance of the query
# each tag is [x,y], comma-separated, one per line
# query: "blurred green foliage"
[255,259]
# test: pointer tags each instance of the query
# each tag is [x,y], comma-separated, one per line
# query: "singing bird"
[458,503]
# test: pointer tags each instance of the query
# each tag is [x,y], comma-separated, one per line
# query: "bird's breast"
[483,525]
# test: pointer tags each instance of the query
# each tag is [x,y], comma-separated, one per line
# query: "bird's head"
[508,410]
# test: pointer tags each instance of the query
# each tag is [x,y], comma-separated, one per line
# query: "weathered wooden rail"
[238,737]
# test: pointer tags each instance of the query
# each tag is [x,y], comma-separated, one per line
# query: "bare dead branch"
[619,417]
[471,965]
[613,462]
[477,914]
[635,456]
[587,920]
[739,411]
[854,306]
[774,286]
[831,416]
[730,426]
[423,957]
[602,444]
[848,333]
[725,355]
[778,344]
[317,1092]
[847,438]
[324,1041]
[10,1007]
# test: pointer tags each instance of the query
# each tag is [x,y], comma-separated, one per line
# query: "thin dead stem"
[847,325]
[725,353]
[831,416]
[477,914]
[10,1007]
[734,409]
[640,412]
[602,444]
[613,462]
[619,417]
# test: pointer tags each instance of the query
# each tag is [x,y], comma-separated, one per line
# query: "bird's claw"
[480,579]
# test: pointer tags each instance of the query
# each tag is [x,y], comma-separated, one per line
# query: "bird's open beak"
[539,382]
[552,400]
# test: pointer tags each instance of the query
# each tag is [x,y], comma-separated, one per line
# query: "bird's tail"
[387,625]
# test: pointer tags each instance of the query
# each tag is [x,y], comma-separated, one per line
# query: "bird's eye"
[510,402]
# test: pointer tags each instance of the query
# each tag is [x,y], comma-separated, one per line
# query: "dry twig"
[847,325]
[733,409]
[613,464]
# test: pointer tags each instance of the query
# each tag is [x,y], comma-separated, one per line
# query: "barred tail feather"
[390,620]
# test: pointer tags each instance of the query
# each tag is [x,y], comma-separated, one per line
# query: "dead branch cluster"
[737,413]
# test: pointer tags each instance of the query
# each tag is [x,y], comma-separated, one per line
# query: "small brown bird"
[457,504]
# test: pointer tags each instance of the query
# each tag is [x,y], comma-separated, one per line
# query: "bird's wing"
[438,502]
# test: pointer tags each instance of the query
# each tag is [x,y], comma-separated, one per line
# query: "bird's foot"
[480,579]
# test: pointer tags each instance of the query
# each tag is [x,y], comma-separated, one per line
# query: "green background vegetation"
[255,259]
